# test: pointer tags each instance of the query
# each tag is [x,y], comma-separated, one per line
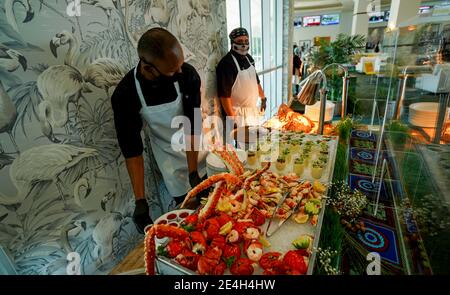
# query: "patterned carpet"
[381,234]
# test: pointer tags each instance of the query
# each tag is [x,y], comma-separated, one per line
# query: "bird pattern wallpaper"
[64,186]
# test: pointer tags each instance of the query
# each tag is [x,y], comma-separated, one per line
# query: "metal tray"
[282,239]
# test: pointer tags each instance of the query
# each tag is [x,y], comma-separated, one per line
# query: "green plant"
[398,133]
[362,168]
[343,129]
[341,163]
[339,51]
[331,237]
[364,144]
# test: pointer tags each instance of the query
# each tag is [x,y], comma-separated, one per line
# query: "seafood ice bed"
[281,240]
[283,169]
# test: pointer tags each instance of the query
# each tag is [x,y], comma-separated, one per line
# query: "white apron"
[245,94]
[172,164]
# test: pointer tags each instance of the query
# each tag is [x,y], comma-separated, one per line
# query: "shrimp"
[255,251]
[233,236]
[251,233]
[235,206]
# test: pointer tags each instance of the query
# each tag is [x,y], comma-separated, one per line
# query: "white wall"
[345,26]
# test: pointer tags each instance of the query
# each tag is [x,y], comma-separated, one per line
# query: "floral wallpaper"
[63,182]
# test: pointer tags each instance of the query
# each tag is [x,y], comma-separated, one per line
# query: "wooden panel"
[134,261]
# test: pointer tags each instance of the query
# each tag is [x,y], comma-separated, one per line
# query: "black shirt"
[226,72]
[297,64]
[126,105]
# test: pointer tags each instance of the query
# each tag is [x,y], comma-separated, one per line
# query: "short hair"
[155,42]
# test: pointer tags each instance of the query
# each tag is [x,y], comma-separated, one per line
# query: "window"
[265,42]
[233,17]
[256,33]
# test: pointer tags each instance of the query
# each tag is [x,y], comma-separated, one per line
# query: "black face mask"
[161,78]
[166,79]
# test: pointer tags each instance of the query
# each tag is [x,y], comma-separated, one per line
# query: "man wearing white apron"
[238,84]
[161,87]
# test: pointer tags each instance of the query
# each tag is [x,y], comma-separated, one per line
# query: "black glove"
[263,104]
[194,179]
[141,215]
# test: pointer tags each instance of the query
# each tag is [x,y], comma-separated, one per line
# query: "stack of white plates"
[424,114]
[215,165]
[313,111]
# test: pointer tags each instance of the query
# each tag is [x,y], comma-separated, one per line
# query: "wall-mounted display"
[330,19]
[310,21]
[376,17]
[426,10]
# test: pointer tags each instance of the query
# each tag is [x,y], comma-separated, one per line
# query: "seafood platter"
[258,219]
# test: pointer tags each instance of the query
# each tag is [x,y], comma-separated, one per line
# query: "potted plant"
[340,51]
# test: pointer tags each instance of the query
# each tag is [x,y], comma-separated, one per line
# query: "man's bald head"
[159,48]
[158,43]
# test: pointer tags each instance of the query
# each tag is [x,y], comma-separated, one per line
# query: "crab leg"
[251,178]
[247,183]
[235,159]
[225,156]
[227,177]
[149,242]
[213,199]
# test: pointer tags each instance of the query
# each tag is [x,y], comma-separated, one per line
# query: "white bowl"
[313,111]
[176,220]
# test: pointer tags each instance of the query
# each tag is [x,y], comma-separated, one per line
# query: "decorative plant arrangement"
[325,258]
[344,127]
[348,204]
[365,169]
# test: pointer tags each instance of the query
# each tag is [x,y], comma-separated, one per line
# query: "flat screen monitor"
[376,17]
[425,10]
[330,19]
[310,21]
